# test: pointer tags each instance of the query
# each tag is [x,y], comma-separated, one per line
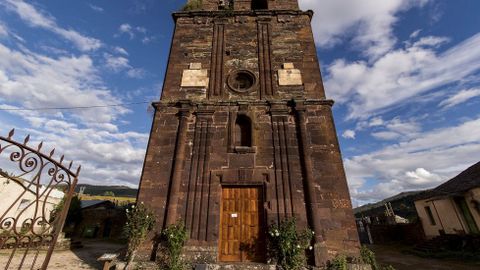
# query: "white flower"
[298,246]
[277,234]
[147,216]
[126,210]
[313,232]
[310,247]
[141,202]
[133,206]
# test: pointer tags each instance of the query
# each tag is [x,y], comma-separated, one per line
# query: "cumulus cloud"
[349,134]
[401,74]
[460,97]
[38,18]
[90,137]
[370,22]
[38,81]
[423,161]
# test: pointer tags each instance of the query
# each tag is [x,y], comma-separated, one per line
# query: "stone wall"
[260,65]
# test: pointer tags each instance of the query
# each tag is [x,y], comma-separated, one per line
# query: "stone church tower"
[243,136]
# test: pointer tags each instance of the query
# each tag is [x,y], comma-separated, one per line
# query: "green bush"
[140,221]
[174,238]
[192,5]
[287,247]
[368,257]
[339,263]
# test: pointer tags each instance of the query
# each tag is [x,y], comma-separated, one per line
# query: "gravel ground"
[82,258]
[392,255]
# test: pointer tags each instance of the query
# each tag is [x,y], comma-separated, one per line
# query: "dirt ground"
[86,258]
[392,255]
[82,258]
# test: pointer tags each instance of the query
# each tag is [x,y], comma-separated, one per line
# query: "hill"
[118,191]
[403,204]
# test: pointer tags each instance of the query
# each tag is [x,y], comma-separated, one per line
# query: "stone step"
[235,266]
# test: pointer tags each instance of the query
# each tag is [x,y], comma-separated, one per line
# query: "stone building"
[243,136]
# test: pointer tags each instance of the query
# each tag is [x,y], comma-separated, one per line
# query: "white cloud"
[96,8]
[133,31]
[37,18]
[460,97]
[349,134]
[400,75]
[126,29]
[120,63]
[424,161]
[3,30]
[369,21]
[397,129]
[116,63]
[121,50]
[37,81]
[136,73]
[90,137]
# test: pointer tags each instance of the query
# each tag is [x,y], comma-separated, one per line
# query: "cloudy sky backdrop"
[404,74]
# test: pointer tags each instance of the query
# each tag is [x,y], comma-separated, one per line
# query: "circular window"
[241,81]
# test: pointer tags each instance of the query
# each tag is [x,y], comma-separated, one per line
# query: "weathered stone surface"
[292,152]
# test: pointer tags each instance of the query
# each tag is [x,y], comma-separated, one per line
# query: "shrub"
[192,5]
[287,247]
[140,221]
[174,238]
[368,257]
[339,263]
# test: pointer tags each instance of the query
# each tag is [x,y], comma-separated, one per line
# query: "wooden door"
[241,225]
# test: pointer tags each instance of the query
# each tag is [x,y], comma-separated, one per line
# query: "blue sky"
[404,74]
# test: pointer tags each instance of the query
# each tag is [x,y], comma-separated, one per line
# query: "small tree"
[140,221]
[109,194]
[287,247]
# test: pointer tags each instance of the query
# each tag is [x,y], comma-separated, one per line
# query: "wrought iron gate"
[35,194]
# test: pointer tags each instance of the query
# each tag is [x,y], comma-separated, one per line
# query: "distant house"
[453,207]
[101,219]
[18,200]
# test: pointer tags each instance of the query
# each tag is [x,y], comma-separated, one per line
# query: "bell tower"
[243,136]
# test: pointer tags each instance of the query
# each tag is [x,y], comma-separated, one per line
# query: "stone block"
[289,76]
[195,78]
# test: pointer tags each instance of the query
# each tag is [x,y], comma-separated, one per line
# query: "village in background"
[442,222]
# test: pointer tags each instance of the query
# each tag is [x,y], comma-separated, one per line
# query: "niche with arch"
[243,131]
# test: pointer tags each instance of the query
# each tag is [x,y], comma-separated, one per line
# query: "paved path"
[393,256]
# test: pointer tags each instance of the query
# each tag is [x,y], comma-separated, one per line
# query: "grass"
[118,200]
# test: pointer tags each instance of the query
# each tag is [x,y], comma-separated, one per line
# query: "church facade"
[243,136]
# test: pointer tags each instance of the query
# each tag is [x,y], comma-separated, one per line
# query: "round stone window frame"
[250,74]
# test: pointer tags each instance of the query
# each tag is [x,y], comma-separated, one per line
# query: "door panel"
[241,225]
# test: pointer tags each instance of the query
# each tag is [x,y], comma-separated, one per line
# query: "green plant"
[109,193]
[140,221]
[368,257]
[174,238]
[339,263]
[287,247]
[193,5]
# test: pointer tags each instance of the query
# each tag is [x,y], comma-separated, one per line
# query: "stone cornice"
[203,104]
[232,13]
